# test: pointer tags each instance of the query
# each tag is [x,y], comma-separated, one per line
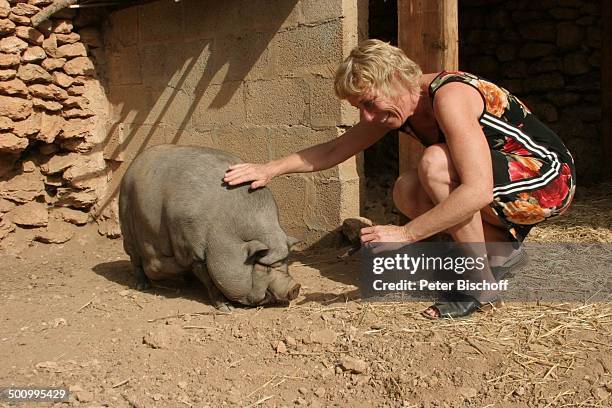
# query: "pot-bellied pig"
[177,216]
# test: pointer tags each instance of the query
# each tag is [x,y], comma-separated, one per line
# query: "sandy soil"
[70,317]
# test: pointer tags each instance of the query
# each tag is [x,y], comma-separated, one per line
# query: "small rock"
[351,228]
[182,385]
[325,336]
[320,392]
[520,391]
[301,401]
[303,390]
[600,393]
[353,365]
[54,236]
[281,348]
[32,214]
[60,321]
[84,396]
[290,341]
[468,392]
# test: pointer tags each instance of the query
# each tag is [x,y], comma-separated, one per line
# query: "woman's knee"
[435,165]
[408,194]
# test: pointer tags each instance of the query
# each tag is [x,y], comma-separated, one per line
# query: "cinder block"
[211,19]
[248,143]
[284,140]
[315,11]
[268,15]
[122,29]
[125,141]
[278,102]
[325,106]
[170,106]
[306,49]
[189,137]
[290,194]
[201,66]
[124,67]
[243,57]
[161,21]
[162,64]
[349,115]
[324,205]
[129,103]
[219,105]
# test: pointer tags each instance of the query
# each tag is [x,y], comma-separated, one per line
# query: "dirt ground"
[72,318]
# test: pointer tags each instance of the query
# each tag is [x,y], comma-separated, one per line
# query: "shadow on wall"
[168,60]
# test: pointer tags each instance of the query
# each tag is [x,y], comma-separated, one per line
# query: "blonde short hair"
[376,66]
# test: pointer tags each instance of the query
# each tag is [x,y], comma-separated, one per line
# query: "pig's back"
[169,197]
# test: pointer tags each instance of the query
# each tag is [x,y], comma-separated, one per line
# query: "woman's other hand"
[384,233]
[240,173]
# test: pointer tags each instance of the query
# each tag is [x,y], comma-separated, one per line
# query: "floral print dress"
[533,172]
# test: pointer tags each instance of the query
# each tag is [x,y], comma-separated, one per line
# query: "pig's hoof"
[224,307]
[143,283]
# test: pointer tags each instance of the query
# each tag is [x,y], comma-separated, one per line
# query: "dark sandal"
[517,260]
[459,305]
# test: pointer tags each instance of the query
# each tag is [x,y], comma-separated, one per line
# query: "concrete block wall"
[251,77]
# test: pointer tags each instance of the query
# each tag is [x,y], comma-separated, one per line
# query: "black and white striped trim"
[533,147]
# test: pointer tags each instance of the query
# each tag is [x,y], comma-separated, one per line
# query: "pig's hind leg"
[217,298]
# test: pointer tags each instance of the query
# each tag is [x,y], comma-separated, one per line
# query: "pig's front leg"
[214,294]
[259,294]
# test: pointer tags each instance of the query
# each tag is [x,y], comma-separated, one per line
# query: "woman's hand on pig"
[258,174]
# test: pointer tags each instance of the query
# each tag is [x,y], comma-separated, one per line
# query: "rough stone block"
[15,108]
[34,54]
[13,45]
[315,11]
[161,65]
[124,67]
[219,105]
[248,143]
[278,102]
[291,194]
[30,34]
[284,140]
[161,22]
[129,103]
[169,106]
[307,49]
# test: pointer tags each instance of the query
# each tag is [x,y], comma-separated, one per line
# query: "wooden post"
[428,34]
[606,92]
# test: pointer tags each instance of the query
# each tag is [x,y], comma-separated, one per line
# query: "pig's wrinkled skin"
[177,216]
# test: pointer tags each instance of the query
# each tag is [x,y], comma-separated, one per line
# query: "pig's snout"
[283,287]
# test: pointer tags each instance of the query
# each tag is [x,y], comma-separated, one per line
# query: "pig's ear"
[254,246]
[274,256]
[291,241]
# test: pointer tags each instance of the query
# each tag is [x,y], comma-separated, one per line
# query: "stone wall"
[51,164]
[251,77]
[548,53]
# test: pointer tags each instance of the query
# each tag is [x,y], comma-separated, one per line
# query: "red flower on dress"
[523,168]
[556,191]
[514,147]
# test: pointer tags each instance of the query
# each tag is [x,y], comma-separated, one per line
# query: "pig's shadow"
[345,272]
[185,287]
